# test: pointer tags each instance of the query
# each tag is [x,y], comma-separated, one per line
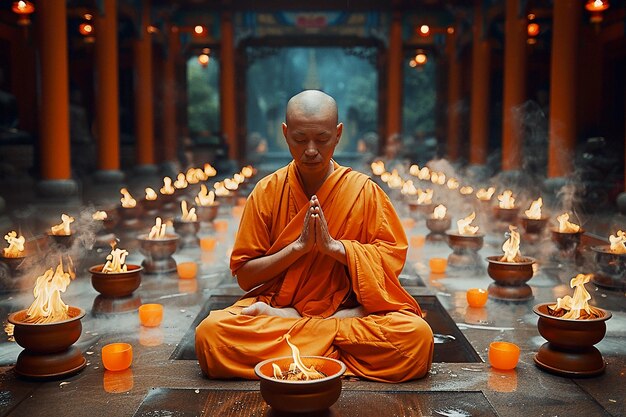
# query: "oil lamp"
[115,278]
[438,222]
[158,248]
[423,204]
[505,211]
[23,9]
[610,262]
[151,203]
[595,9]
[567,237]
[61,233]
[533,222]
[129,211]
[187,226]
[206,206]
[465,244]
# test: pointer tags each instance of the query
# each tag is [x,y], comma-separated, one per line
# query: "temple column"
[565,36]
[454,98]
[394,78]
[107,93]
[170,137]
[621,198]
[228,104]
[56,181]
[144,97]
[514,86]
[479,123]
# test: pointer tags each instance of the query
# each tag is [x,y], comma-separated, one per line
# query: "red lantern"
[596,7]
[23,9]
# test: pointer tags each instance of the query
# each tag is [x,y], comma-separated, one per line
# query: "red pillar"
[565,36]
[228,110]
[454,98]
[144,102]
[394,77]
[514,85]
[169,96]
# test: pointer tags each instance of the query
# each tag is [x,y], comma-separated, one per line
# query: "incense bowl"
[567,243]
[158,253]
[610,268]
[129,217]
[151,207]
[464,249]
[569,351]
[116,284]
[187,230]
[510,279]
[301,396]
[207,213]
[507,215]
[421,209]
[438,225]
[533,226]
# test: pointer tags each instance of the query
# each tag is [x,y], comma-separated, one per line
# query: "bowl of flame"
[290,396]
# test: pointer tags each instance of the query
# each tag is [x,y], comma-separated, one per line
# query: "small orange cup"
[220,225]
[438,265]
[418,241]
[408,223]
[208,243]
[187,270]
[117,356]
[476,297]
[150,315]
[503,355]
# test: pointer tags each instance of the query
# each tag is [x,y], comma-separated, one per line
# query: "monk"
[319,250]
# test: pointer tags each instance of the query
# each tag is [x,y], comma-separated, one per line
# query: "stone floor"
[525,391]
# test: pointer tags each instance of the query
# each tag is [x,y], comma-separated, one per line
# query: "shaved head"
[311,104]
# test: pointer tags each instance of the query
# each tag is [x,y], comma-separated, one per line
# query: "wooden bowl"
[116,284]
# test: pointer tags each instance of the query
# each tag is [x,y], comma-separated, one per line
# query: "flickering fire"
[511,247]
[127,200]
[506,200]
[534,212]
[438,178]
[167,188]
[408,188]
[247,171]
[48,306]
[16,245]
[425,197]
[181,181]
[188,215]
[297,370]
[464,225]
[205,198]
[150,194]
[99,215]
[414,170]
[378,167]
[617,241]
[230,184]
[453,184]
[238,178]
[439,212]
[158,230]
[63,229]
[9,328]
[394,180]
[576,307]
[115,260]
[220,189]
[466,190]
[485,195]
[195,175]
[565,226]
[209,170]
[424,174]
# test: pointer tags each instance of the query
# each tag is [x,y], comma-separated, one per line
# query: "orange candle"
[118,382]
[476,297]
[438,265]
[220,225]
[208,243]
[117,356]
[187,270]
[503,355]
[150,315]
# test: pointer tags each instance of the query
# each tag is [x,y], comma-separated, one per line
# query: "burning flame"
[220,190]
[238,178]
[507,201]
[408,188]
[385,176]
[16,245]
[203,199]
[158,230]
[209,170]
[534,212]
[297,365]
[465,227]
[195,175]
[425,197]
[181,181]
[576,307]
[247,171]
[127,201]
[63,229]
[618,242]
[188,215]
[424,174]
[485,195]
[466,190]
[453,184]
[167,188]
[439,212]
[438,178]
[565,226]
[378,167]
[511,247]
[48,306]
[150,194]
[230,184]
[99,215]
[394,181]
[115,260]
[414,170]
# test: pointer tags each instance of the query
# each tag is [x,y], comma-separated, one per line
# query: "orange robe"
[391,344]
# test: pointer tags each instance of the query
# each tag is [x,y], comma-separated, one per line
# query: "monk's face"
[312,141]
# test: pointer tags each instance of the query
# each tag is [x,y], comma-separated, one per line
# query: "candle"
[220,225]
[117,356]
[118,382]
[476,297]
[503,355]
[187,270]
[438,265]
[208,243]
[150,315]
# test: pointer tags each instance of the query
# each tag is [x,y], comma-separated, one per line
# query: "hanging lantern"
[23,9]
[595,8]
[199,31]
[203,59]
[419,60]
[532,30]
[423,30]
[87,30]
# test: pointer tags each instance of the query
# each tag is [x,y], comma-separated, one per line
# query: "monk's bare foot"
[262,309]
[349,313]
